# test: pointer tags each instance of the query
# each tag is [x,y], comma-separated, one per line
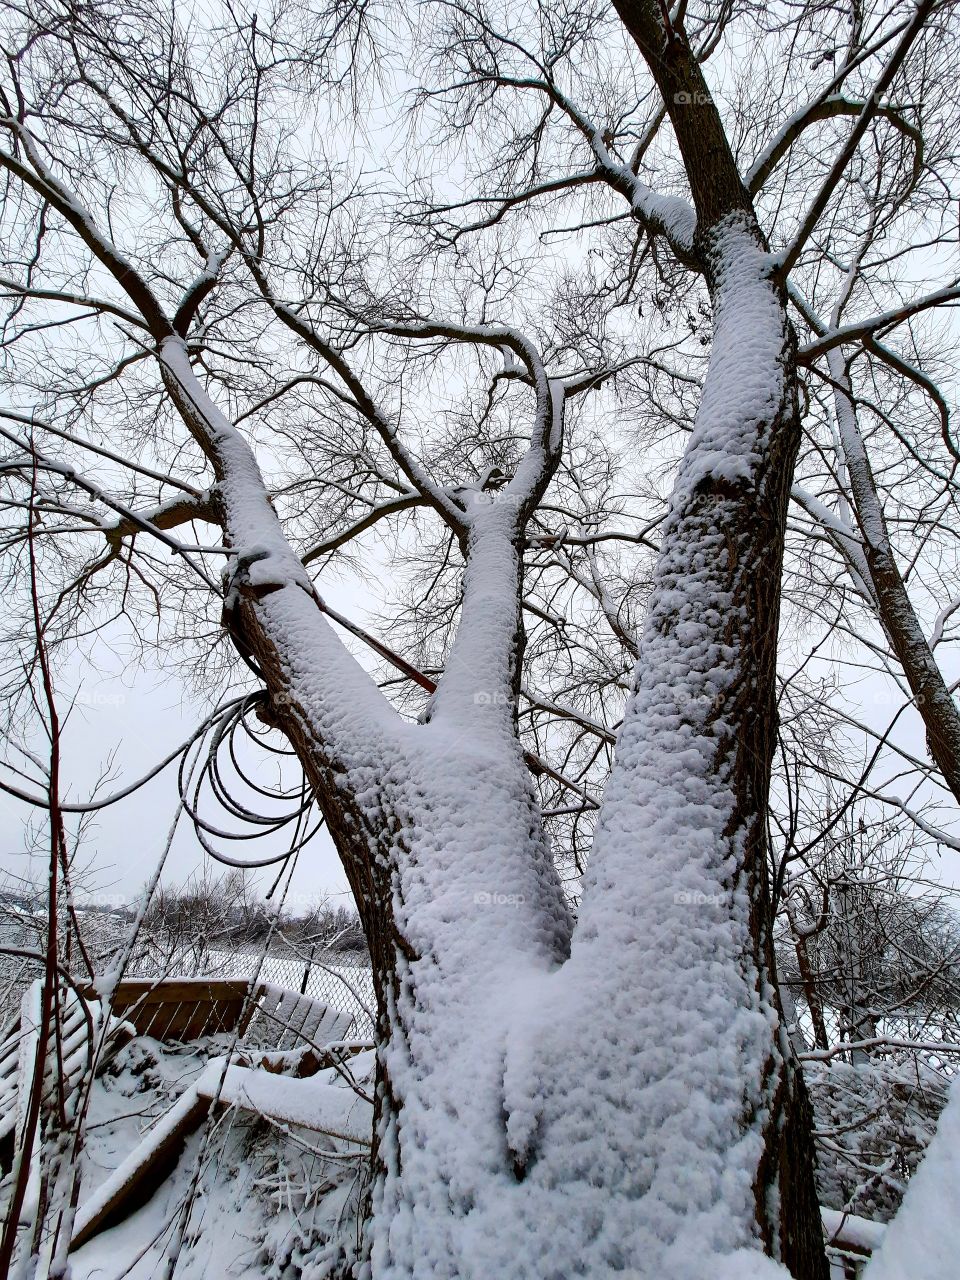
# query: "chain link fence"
[16,971]
[338,977]
[341,979]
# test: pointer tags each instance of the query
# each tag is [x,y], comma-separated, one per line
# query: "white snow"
[93,1205]
[262,1190]
[852,1229]
[923,1240]
[310,1103]
[600,1117]
[603,1114]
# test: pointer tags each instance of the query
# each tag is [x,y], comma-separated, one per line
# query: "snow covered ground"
[248,1198]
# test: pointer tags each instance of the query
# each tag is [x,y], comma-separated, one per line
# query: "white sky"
[143,714]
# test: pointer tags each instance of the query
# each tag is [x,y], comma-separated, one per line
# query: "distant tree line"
[227,909]
[207,911]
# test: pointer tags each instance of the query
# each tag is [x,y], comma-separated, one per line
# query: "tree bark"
[543,1116]
[897,615]
[811,994]
[749,518]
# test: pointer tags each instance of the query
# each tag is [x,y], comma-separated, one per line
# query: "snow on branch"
[31,421]
[667,216]
[547,435]
[100,306]
[168,515]
[128,519]
[859,330]
[827,107]
[845,539]
[38,176]
[263,562]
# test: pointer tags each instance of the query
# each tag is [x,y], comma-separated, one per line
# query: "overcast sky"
[143,714]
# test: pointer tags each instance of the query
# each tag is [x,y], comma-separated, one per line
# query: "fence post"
[306,971]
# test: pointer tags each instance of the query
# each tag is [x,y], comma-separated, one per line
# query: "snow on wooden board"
[850,1232]
[299,1017]
[311,1104]
[137,1178]
[17,1051]
[923,1240]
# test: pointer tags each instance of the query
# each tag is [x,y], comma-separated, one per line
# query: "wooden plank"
[295,1017]
[249,1008]
[19,1049]
[849,1234]
[144,1171]
[162,990]
[181,1008]
[258,1089]
[30,1018]
[286,1100]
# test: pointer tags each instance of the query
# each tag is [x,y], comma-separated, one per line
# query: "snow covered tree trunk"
[555,1102]
[674,938]
[634,1106]
[933,699]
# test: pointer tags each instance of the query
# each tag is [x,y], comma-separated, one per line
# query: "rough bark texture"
[754,522]
[494,1105]
[715,182]
[788,1212]
[811,994]
[931,695]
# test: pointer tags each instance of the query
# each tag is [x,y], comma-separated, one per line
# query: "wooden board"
[182,1009]
[220,1085]
[18,1053]
[142,1174]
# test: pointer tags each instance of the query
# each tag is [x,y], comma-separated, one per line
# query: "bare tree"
[876,945]
[260,346]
